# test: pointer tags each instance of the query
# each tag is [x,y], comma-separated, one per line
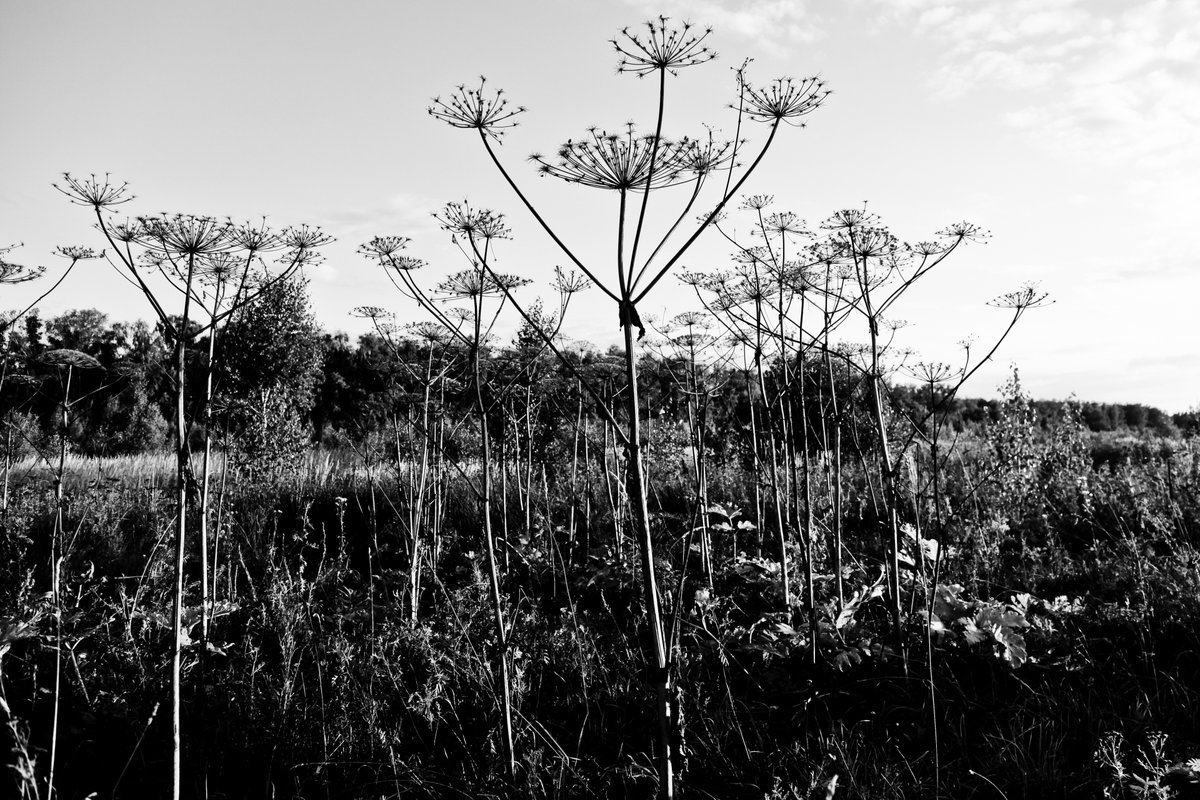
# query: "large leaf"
[857,600]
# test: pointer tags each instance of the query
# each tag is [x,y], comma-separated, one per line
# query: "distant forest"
[276,369]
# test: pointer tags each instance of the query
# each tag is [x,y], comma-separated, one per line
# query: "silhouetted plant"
[633,165]
[178,248]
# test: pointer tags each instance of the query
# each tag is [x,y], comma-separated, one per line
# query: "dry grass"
[317,469]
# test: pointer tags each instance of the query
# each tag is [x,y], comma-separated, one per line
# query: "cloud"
[773,25]
[1111,83]
[1102,81]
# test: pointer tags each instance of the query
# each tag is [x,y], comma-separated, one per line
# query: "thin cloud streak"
[1101,82]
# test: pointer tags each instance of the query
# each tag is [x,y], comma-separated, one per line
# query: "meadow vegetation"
[757,550]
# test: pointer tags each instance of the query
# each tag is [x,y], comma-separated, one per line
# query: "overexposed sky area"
[1068,128]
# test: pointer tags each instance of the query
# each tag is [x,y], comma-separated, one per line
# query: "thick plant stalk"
[181,477]
[635,481]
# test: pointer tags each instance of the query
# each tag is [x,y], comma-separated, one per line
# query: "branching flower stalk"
[878,259]
[690,343]
[418,469]
[223,280]
[629,165]
[12,273]
[475,286]
[70,360]
[176,248]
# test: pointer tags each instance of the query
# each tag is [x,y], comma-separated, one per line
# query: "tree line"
[284,384]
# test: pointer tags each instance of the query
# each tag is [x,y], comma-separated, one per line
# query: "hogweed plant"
[883,269]
[174,252]
[65,362]
[419,459]
[480,294]
[12,273]
[636,167]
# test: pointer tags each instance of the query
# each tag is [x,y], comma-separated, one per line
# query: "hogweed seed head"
[387,251]
[373,313]
[758,254]
[300,245]
[16,273]
[92,191]
[77,253]
[877,243]
[66,357]
[131,230]
[1028,296]
[474,223]
[477,283]
[152,259]
[486,112]
[254,237]
[965,232]
[218,268]
[927,249]
[690,319]
[850,219]
[661,47]
[304,238]
[706,156]
[407,263]
[185,234]
[383,247]
[930,371]
[784,99]
[628,162]
[428,332]
[570,282]
[785,223]
[825,253]
[757,202]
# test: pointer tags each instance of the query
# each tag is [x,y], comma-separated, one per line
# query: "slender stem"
[637,235]
[545,226]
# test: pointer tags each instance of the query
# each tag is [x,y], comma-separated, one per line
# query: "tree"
[272,354]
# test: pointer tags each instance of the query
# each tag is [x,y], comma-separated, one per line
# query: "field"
[756,548]
[1060,656]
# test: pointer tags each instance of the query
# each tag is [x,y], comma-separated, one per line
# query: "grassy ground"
[1061,657]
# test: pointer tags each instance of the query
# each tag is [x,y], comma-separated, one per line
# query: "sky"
[1068,128]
